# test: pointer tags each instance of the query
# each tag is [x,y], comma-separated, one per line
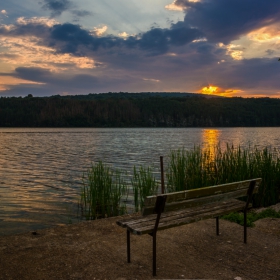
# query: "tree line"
[128,110]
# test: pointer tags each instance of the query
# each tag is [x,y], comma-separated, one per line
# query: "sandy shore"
[97,250]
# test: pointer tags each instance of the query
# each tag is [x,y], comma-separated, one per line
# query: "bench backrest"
[197,197]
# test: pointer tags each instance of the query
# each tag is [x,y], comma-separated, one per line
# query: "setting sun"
[210,90]
[220,91]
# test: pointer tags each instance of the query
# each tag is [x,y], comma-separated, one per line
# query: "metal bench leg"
[249,199]
[217,226]
[245,226]
[128,245]
[154,254]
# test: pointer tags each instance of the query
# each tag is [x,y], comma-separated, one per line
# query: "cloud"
[22,21]
[29,51]
[174,7]
[57,7]
[123,35]
[4,12]
[35,74]
[258,73]
[72,38]
[266,34]
[100,30]
[81,13]
[159,40]
[151,80]
[59,57]
[7,82]
[224,21]
[38,75]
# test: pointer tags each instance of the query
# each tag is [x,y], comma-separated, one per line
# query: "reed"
[101,193]
[201,167]
[143,184]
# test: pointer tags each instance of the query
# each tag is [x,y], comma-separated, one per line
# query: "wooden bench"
[179,208]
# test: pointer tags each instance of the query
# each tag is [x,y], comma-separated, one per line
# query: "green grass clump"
[101,193]
[202,167]
[143,184]
[238,218]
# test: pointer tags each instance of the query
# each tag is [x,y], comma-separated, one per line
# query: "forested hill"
[115,110]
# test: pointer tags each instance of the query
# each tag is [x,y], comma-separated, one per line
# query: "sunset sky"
[221,47]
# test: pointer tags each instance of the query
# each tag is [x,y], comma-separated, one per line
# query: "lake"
[41,169]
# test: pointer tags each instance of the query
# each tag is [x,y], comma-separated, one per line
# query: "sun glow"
[209,90]
[215,90]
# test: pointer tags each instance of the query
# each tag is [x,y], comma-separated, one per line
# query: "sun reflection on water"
[210,137]
[210,142]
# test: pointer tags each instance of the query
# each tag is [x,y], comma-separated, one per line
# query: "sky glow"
[228,48]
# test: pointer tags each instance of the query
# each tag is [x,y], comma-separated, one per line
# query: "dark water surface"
[41,169]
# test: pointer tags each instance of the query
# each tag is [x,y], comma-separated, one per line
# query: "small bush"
[251,216]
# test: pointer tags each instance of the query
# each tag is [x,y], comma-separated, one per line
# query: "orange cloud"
[235,51]
[100,30]
[7,81]
[124,34]
[174,7]
[37,20]
[264,34]
[26,52]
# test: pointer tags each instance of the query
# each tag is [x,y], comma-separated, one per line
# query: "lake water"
[41,169]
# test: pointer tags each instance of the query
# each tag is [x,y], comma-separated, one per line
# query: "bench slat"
[181,219]
[201,192]
[132,222]
[198,201]
[148,221]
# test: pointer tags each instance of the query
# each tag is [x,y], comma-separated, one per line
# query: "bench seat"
[145,225]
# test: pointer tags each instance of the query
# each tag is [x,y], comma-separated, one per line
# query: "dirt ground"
[97,250]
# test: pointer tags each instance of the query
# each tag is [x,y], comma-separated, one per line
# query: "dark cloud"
[159,40]
[270,52]
[72,38]
[81,13]
[224,21]
[38,30]
[126,73]
[171,55]
[57,7]
[255,73]
[34,74]
[68,37]
[46,76]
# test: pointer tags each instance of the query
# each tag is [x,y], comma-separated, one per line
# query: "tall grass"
[143,184]
[102,191]
[200,167]
[104,188]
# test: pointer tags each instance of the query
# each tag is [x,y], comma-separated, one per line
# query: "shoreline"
[97,250]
